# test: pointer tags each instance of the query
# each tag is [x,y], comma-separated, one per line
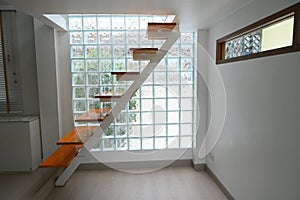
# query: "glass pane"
[134,144]
[186,129]
[173,142]
[160,143]
[147,143]
[76,38]
[186,142]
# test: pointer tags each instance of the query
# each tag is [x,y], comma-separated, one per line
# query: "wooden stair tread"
[62,156]
[160,26]
[125,73]
[78,135]
[143,50]
[108,95]
[126,76]
[93,115]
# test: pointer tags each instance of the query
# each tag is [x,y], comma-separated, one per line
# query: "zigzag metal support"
[85,156]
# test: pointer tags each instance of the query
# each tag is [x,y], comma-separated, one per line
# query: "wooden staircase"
[74,148]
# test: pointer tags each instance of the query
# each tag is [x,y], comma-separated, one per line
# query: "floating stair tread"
[62,156]
[126,76]
[78,135]
[154,26]
[143,50]
[93,115]
[108,95]
[125,73]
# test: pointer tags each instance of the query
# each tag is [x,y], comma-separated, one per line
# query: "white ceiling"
[192,14]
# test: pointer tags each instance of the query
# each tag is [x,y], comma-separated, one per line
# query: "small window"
[276,34]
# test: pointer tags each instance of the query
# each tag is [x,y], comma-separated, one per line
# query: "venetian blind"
[10,83]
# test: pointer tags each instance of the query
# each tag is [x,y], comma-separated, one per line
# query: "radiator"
[20,143]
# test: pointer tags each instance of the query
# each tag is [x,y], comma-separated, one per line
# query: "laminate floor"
[172,183]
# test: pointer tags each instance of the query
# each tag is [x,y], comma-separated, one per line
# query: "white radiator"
[20,143]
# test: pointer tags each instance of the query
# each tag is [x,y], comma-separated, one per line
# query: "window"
[276,34]
[10,84]
[160,114]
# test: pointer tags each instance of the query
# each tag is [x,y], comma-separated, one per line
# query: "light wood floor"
[172,183]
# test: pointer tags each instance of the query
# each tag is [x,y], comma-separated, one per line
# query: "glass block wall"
[160,114]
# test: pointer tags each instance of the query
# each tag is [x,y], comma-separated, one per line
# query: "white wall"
[47,86]
[257,156]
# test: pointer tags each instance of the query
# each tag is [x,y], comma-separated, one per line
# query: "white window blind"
[10,82]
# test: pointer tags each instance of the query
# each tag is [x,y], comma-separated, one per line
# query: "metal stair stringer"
[85,156]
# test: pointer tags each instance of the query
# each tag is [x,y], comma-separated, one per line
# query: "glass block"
[173,51]
[186,38]
[186,51]
[119,52]
[173,64]
[132,23]
[173,129]
[79,106]
[252,42]
[78,92]
[76,37]
[121,118]
[92,91]
[173,142]
[109,132]
[120,89]
[106,78]
[134,144]
[78,79]
[187,91]
[93,104]
[119,65]
[160,130]
[104,37]
[144,21]
[186,104]
[160,117]
[90,23]
[118,37]
[186,129]
[118,23]
[159,91]
[147,104]
[134,118]
[75,23]
[186,117]
[104,22]
[186,142]
[173,91]
[173,77]
[106,89]
[147,143]
[77,52]
[147,91]
[186,64]
[173,104]
[160,143]
[121,131]
[90,37]
[134,131]
[132,65]
[133,105]
[186,77]
[106,65]
[77,65]
[160,77]
[147,117]
[92,79]
[105,51]
[160,104]
[173,117]
[121,144]
[132,37]
[108,144]
[91,51]
[144,39]
[92,65]
[98,146]
[234,48]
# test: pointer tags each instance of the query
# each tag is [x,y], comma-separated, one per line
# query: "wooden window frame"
[294,10]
